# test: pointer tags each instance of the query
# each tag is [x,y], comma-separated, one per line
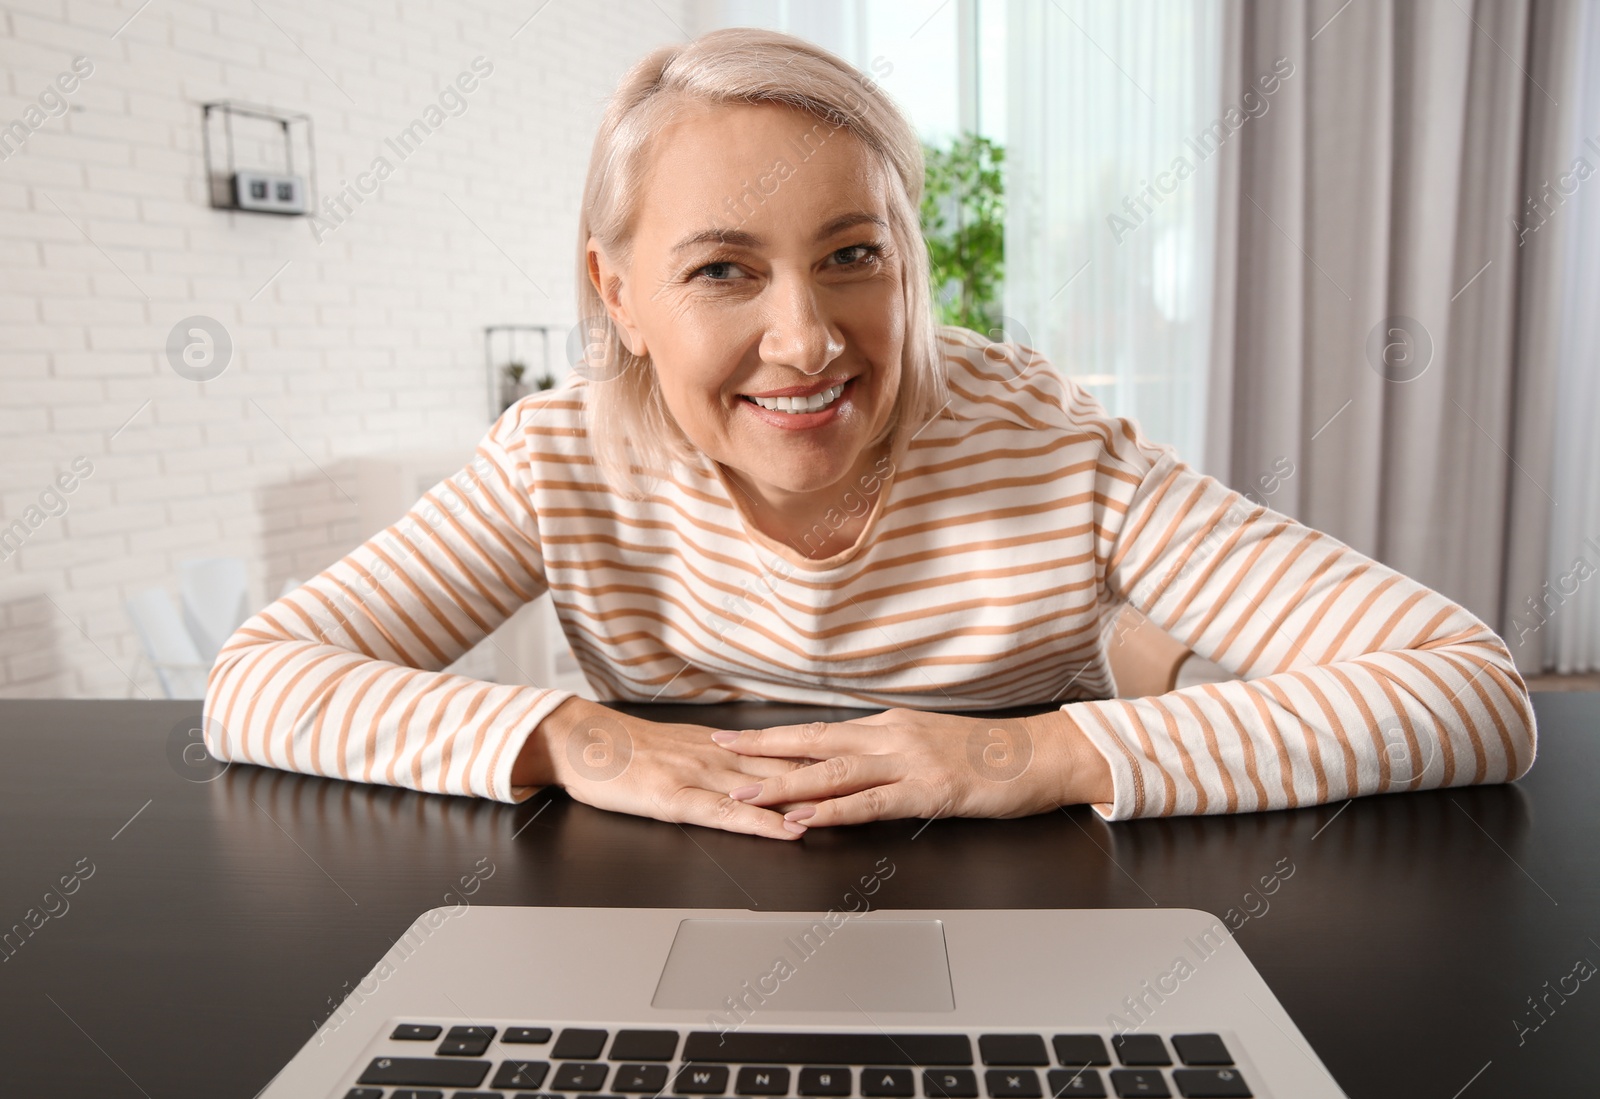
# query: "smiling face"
[762,266]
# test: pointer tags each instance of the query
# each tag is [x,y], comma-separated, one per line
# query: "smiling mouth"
[797,405]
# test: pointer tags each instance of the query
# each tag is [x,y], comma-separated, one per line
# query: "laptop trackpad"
[742,967]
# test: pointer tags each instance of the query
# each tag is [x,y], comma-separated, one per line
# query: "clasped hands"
[781,782]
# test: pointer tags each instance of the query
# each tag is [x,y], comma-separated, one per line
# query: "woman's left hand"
[906,763]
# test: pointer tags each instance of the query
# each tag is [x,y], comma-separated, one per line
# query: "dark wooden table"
[218,918]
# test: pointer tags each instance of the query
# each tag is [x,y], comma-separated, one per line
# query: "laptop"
[586,1003]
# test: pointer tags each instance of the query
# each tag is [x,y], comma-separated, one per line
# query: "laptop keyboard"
[536,1062]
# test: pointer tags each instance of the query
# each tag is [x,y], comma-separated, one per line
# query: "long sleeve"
[1354,678]
[341,677]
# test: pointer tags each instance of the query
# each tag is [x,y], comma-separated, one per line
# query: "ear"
[607,278]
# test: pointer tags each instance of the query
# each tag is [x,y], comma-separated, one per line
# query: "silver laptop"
[583,1003]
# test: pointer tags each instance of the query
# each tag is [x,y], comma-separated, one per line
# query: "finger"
[827,779]
[760,767]
[888,802]
[715,810]
[816,740]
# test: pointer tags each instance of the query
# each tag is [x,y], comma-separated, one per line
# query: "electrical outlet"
[266,193]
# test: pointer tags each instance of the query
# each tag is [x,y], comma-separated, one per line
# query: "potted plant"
[512,388]
[963,220]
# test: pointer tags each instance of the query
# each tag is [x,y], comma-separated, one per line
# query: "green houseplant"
[963,221]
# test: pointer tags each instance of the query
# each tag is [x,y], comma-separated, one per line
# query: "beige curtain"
[1383,329]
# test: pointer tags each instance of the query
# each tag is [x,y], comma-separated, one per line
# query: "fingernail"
[797,829]
[800,814]
[744,792]
[724,736]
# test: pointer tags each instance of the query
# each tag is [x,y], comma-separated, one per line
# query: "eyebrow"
[740,238]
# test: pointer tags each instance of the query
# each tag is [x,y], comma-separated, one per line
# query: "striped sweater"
[1002,540]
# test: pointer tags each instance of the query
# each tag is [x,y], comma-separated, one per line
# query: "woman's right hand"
[653,769]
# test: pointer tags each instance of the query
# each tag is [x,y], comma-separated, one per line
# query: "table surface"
[221,914]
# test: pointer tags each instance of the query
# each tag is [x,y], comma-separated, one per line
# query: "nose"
[798,334]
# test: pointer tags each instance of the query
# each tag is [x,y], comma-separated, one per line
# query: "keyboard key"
[1144,1083]
[640,1079]
[1201,1049]
[1210,1083]
[574,1076]
[520,1074]
[463,1032]
[1012,1049]
[1075,1081]
[824,1081]
[892,1083]
[364,1093]
[1141,1049]
[478,1095]
[743,1047]
[949,1083]
[416,1093]
[463,1047]
[1010,1083]
[644,1045]
[415,1032]
[425,1072]
[760,1080]
[577,1044]
[1073,1050]
[526,1035]
[713,1080]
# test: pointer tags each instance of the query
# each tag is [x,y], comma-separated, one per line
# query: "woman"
[775,478]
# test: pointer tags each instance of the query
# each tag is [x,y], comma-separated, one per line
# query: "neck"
[820,522]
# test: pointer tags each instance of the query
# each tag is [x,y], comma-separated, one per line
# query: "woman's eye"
[859,253]
[719,271]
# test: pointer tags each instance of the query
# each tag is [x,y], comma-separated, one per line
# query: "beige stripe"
[431,733]
[1358,617]
[402,725]
[1158,552]
[1266,589]
[1175,738]
[1307,734]
[1424,667]
[1370,721]
[1169,798]
[1323,611]
[370,756]
[1269,729]
[1246,745]
[1173,568]
[1230,793]
[1148,510]
[1291,605]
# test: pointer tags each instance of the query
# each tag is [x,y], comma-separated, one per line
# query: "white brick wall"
[368,342]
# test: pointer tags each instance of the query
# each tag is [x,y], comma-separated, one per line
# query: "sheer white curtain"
[1113,116]
[1568,605]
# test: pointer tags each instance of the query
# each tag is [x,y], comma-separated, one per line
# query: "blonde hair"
[738,65]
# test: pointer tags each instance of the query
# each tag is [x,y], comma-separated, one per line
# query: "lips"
[802,390]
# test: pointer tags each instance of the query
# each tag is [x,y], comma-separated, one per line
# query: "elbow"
[1526,734]
[1521,724]
[224,685]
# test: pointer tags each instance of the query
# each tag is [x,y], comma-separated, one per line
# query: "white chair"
[215,593]
[182,647]
[167,644]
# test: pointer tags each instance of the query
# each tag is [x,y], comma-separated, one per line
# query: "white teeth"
[814,403]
